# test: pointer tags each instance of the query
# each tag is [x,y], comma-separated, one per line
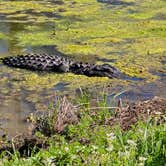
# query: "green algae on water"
[92,31]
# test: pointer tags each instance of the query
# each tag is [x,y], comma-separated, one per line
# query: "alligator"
[59,64]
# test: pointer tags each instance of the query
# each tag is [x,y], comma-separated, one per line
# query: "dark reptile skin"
[52,63]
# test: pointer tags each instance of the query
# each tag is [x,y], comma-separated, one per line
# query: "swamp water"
[128,34]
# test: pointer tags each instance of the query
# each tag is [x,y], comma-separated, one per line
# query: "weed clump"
[57,120]
[67,114]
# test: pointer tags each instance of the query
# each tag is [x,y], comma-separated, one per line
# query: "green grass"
[91,142]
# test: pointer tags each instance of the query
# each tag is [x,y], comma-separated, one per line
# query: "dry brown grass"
[129,115]
[67,114]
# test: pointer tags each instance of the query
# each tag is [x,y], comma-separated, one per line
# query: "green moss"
[3,36]
[13,6]
[77,49]
[35,38]
[36,81]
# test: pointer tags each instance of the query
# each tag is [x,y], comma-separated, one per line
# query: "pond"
[128,34]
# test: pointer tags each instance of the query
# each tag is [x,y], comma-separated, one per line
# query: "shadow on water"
[139,92]
[129,78]
[48,49]
[116,2]
[60,86]
[3,46]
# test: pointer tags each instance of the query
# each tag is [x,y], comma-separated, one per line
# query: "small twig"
[120,93]
[16,136]
[82,104]
[12,142]
[93,108]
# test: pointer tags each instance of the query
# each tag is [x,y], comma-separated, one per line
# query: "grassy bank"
[88,138]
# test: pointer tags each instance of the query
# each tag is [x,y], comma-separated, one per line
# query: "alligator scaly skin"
[53,63]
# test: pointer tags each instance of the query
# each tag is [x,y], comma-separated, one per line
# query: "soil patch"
[131,114]
[25,145]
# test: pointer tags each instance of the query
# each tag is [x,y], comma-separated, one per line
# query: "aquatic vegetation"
[98,30]
[89,30]
[34,81]
[2,35]
[130,36]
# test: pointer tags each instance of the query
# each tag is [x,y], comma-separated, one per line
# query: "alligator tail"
[37,63]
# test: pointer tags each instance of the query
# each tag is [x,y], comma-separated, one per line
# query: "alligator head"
[104,70]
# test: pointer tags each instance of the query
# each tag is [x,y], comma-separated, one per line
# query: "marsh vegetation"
[127,34]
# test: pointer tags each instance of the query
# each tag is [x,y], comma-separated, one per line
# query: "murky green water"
[129,34]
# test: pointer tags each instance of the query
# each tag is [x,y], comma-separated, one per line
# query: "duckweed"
[131,35]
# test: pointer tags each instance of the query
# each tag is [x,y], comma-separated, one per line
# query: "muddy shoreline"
[125,117]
